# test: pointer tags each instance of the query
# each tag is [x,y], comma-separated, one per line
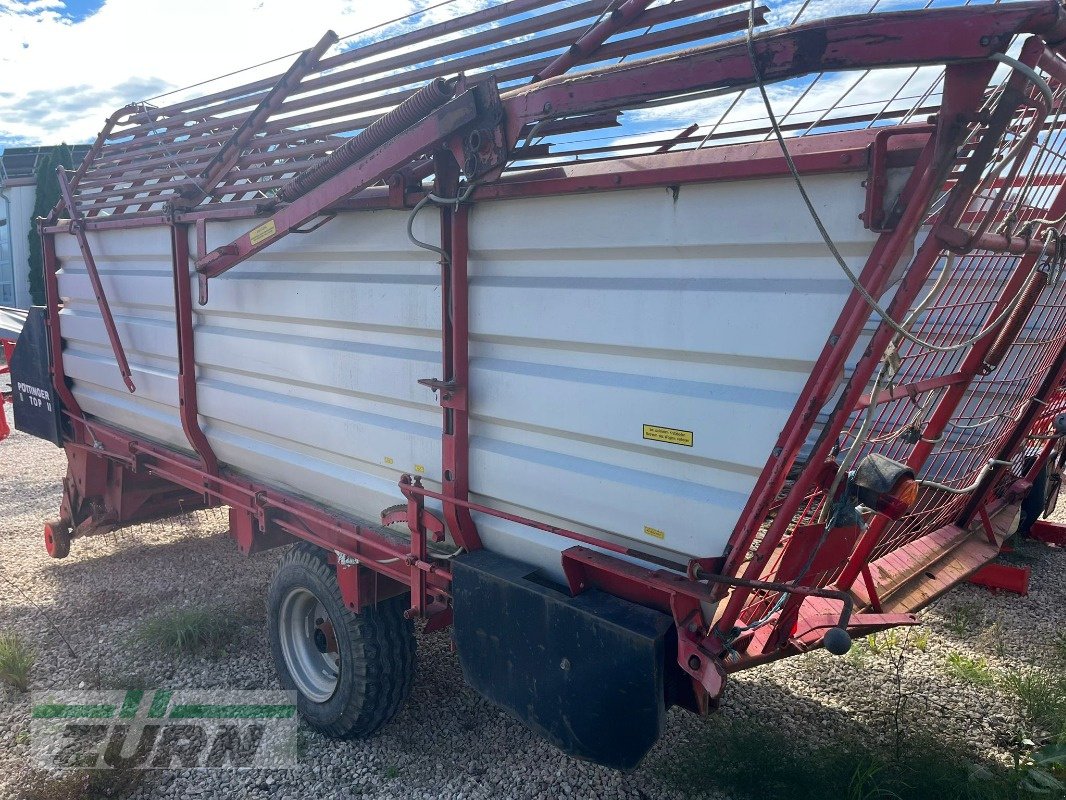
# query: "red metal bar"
[991,242]
[905,38]
[375,547]
[532,523]
[455,345]
[1056,374]
[91,156]
[94,278]
[379,164]
[913,389]
[938,420]
[226,157]
[426,100]
[178,113]
[512,43]
[1002,577]
[828,152]
[584,48]
[972,363]
[1053,533]
[964,87]
[188,407]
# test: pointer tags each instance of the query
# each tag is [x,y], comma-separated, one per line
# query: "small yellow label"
[388,460]
[657,433]
[419,468]
[658,534]
[262,233]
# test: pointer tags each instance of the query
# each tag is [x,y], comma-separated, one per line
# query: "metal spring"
[412,110]
[1012,327]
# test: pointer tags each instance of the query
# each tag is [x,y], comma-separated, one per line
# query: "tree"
[46,198]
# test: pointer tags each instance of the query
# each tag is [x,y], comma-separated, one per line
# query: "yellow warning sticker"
[262,233]
[419,468]
[388,460]
[658,534]
[657,433]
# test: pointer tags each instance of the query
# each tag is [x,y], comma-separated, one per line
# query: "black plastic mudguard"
[585,672]
[36,409]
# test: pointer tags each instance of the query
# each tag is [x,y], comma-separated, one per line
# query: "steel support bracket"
[880,216]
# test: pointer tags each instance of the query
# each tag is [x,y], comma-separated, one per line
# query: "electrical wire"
[42,612]
[442,201]
[827,238]
[985,471]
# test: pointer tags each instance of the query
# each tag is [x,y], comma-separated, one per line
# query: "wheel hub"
[309,645]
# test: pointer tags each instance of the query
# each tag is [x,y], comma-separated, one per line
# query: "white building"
[18,190]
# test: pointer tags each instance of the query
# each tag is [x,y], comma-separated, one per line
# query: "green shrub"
[970,670]
[16,661]
[190,631]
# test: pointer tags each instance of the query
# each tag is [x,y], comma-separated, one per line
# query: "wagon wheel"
[352,672]
[57,539]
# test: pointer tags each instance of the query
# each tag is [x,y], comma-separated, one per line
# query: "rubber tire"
[57,539]
[1033,504]
[377,649]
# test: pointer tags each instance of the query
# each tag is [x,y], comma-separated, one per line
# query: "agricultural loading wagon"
[628,412]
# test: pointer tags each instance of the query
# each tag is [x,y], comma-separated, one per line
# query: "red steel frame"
[9,348]
[374,562]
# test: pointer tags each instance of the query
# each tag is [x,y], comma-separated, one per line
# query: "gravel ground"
[448,742]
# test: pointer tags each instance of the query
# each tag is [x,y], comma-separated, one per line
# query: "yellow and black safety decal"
[262,233]
[658,433]
[658,534]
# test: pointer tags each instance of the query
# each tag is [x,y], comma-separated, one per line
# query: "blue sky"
[78,10]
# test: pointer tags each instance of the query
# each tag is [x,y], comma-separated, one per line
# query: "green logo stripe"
[159,704]
[213,711]
[72,711]
[130,704]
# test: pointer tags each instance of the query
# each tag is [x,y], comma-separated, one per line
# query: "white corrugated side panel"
[594,315]
[591,316]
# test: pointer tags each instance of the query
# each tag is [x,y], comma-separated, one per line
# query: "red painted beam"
[1053,533]
[226,157]
[866,41]
[379,164]
[1002,577]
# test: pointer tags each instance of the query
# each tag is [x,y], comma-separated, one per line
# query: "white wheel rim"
[308,644]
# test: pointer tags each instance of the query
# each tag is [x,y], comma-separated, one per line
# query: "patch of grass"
[970,670]
[962,618]
[1042,697]
[859,655]
[16,661]
[392,773]
[190,631]
[751,762]
[885,642]
[921,640]
[993,639]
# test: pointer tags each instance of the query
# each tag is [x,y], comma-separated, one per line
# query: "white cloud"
[61,79]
